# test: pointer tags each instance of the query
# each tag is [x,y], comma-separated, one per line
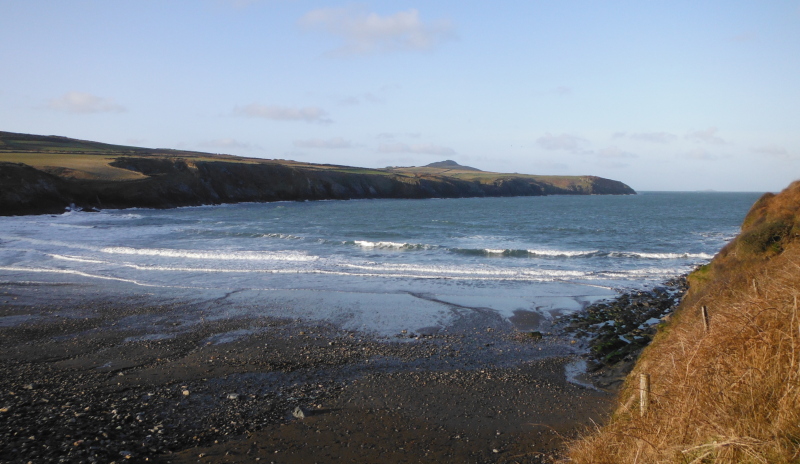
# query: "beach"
[405,331]
[79,381]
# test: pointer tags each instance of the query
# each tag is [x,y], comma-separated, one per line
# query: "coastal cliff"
[46,174]
[724,388]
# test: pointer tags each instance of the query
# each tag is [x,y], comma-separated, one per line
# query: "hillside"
[729,394]
[45,174]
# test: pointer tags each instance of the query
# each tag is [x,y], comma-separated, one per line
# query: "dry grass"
[729,395]
[71,165]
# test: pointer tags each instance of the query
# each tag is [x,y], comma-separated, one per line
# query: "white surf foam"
[77,259]
[368,244]
[636,254]
[560,253]
[213,255]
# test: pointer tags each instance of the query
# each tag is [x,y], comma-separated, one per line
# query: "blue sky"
[660,95]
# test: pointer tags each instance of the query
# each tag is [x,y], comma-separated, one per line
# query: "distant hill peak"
[450,164]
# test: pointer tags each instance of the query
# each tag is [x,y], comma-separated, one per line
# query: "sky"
[661,95]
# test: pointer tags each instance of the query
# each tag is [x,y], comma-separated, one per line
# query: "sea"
[378,266]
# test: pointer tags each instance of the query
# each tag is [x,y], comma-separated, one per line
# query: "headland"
[46,174]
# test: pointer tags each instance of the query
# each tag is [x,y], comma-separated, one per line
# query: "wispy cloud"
[81,102]
[310,114]
[706,136]
[420,149]
[775,151]
[364,32]
[561,142]
[334,143]
[653,137]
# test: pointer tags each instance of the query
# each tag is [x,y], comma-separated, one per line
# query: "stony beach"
[88,378]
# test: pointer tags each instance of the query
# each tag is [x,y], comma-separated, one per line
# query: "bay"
[379,266]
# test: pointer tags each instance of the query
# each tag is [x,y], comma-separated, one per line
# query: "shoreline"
[616,330]
[103,387]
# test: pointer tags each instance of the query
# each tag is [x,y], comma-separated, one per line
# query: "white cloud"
[364,32]
[334,143]
[420,149]
[283,113]
[81,102]
[654,137]
[560,142]
[706,136]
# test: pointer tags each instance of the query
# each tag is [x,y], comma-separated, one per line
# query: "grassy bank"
[729,394]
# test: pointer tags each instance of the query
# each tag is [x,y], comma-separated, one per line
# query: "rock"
[535,335]
[126,454]
[233,396]
[185,392]
[300,412]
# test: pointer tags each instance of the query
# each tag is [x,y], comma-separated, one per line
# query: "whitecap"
[213,255]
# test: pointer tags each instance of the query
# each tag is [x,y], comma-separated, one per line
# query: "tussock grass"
[732,394]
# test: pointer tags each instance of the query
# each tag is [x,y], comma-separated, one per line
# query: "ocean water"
[380,265]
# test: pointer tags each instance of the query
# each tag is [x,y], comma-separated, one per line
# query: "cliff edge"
[723,388]
[45,174]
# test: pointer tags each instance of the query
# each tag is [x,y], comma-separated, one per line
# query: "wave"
[213,255]
[576,254]
[634,254]
[489,252]
[74,272]
[562,254]
[281,236]
[391,245]
[376,270]
[77,259]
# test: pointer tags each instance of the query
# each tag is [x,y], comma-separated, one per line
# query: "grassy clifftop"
[44,174]
[730,394]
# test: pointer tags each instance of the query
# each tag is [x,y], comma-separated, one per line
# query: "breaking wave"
[213,255]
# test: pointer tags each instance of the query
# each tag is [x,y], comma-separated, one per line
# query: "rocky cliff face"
[172,182]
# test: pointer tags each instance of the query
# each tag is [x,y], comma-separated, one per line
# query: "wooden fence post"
[706,322]
[644,393]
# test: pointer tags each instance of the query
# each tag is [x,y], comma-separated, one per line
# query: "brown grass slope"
[732,394]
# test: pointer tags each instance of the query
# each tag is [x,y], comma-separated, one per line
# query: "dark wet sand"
[80,381]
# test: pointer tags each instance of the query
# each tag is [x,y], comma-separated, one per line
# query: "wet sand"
[88,378]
